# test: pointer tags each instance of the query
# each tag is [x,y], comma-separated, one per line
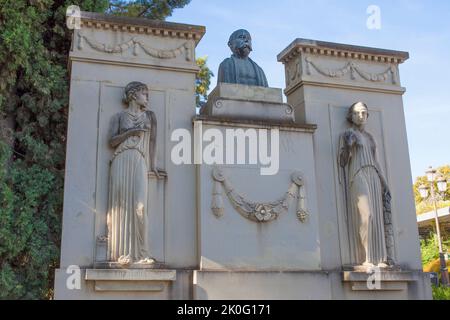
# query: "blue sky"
[420,27]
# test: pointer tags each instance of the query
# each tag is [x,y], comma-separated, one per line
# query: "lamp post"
[442,187]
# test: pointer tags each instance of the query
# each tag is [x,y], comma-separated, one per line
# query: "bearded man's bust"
[239,68]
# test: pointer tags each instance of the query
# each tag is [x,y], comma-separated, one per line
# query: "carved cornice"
[314,47]
[142,26]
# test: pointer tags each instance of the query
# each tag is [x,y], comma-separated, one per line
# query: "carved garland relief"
[294,71]
[254,211]
[136,44]
[354,69]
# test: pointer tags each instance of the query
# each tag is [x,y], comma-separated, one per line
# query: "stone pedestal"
[397,285]
[309,285]
[242,102]
[130,279]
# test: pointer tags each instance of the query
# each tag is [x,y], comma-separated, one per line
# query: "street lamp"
[442,184]
[423,190]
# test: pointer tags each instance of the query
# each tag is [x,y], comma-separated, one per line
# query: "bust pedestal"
[251,241]
[242,102]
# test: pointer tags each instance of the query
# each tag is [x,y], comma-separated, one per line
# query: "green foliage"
[29,231]
[422,205]
[202,81]
[430,248]
[34,90]
[34,46]
[441,293]
[153,9]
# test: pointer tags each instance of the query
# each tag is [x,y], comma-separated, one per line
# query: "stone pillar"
[258,232]
[107,53]
[322,81]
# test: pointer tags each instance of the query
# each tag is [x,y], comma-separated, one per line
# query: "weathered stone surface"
[322,81]
[236,242]
[107,54]
[272,237]
[242,102]
[131,275]
[301,285]
[245,92]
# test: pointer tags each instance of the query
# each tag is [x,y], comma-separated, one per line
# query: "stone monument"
[111,56]
[281,201]
[323,80]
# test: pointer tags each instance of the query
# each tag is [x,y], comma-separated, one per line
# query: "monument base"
[306,285]
[242,102]
[130,279]
[133,284]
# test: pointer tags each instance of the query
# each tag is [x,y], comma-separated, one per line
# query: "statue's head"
[136,92]
[240,43]
[358,113]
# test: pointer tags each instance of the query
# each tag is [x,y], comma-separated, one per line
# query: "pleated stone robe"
[365,210]
[127,207]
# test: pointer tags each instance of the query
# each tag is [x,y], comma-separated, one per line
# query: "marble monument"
[335,218]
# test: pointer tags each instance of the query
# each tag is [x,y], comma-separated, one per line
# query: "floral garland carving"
[136,44]
[254,211]
[354,69]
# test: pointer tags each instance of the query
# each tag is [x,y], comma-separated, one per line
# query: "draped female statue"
[367,194]
[133,137]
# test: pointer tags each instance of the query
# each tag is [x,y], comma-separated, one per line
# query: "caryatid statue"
[239,68]
[133,137]
[367,194]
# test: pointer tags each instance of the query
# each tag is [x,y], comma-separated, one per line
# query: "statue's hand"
[349,138]
[155,171]
[136,132]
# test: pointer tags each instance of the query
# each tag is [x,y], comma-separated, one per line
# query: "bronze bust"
[239,68]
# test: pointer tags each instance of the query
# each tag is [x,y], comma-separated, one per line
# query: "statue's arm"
[346,142]
[114,136]
[377,164]
[153,132]
[153,138]
[117,138]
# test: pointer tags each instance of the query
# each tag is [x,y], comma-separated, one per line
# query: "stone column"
[322,81]
[107,53]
